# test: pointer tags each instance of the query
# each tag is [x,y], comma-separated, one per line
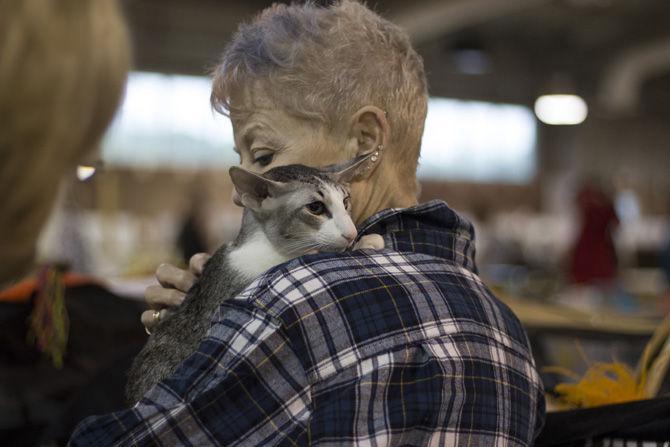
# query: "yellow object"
[602,384]
[656,358]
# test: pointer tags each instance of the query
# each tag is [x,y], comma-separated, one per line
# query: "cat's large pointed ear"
[252,188]
[346,171]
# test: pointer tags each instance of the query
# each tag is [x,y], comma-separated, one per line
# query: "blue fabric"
[401,346]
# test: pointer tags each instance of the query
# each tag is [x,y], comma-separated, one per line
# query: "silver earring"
[375,155]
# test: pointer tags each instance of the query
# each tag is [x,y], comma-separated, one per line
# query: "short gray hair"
[326,63]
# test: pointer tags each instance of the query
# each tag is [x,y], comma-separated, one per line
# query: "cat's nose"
[350,235]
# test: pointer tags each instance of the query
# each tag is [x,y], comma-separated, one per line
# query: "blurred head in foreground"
[319,85]
[63,68]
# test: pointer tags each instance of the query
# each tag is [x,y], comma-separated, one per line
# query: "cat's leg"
[372,241]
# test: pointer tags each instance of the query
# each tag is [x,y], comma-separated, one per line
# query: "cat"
[289,211]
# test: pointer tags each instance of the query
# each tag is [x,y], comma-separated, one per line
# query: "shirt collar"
[431,228]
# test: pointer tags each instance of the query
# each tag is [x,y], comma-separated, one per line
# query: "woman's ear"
[369,129]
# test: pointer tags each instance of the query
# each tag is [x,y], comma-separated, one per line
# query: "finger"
[370,241]
[149,319]
[197,263]
[170,276]
[158,297]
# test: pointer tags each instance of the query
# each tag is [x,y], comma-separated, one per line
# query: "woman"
[301,104]
[63,67]
[403,346]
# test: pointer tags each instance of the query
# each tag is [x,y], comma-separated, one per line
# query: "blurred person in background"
[191,238]
[403,346]
[593,258]
[63,67]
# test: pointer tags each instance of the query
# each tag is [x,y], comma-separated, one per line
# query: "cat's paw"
[372,241]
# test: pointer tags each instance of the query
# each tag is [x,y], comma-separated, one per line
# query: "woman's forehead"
[255,103]
[270,121]
[250,98]
[261,122]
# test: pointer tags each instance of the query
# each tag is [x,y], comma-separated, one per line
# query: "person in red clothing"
[593,259]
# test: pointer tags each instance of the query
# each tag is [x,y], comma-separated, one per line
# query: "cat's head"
[301,209]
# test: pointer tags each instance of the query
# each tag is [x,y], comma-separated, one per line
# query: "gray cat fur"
[178,334]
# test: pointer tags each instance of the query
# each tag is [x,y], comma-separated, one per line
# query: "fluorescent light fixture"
[561,109]
[85,172]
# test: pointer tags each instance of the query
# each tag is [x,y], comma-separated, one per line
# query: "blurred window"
[166,121]
[478,141]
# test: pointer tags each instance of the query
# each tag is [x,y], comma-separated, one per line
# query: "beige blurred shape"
[62,73]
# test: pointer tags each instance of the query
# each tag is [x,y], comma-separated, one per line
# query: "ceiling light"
[85,172]
[561,109]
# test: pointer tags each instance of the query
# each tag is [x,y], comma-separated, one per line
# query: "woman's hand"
[174,282]
[370,241]
[173,285]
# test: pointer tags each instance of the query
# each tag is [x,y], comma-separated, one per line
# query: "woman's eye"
[317,208]
[264,159]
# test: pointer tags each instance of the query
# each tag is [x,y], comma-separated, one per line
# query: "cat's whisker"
[306,247]
[302,246]
[297,242]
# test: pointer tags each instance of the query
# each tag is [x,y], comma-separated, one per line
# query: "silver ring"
[156,315]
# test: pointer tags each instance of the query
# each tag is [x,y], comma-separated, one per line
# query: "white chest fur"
[255,256]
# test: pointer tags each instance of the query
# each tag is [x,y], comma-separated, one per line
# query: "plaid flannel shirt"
[401,346]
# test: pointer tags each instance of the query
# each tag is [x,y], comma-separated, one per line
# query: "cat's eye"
[264,158]
[317,208]
[347,203]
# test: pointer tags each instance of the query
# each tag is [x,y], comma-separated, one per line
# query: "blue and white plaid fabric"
[402,346]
